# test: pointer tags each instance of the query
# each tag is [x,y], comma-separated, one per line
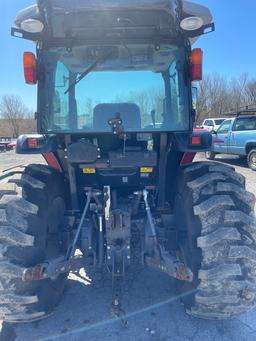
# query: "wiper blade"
[88,70]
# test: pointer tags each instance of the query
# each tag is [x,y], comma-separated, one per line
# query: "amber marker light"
[30,68]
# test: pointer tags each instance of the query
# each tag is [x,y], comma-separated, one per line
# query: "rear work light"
[32,25]
[191,23]
[30,67]
[196,65]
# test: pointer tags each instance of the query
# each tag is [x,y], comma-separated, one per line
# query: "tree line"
[218,95]
[15,117]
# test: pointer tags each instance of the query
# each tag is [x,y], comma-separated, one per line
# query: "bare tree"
[14,111]
[238,93]
[250,91]
[217,95]
[213,96]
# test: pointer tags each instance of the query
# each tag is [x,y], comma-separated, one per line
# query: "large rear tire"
[215,216]
[32,204]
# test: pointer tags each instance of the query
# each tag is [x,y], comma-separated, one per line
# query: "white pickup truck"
[212,124]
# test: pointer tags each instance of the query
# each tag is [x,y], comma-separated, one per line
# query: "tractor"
[120,190]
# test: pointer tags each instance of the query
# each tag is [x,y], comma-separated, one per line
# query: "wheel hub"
[253,159]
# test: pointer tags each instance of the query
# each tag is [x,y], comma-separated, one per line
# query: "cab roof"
[76,19]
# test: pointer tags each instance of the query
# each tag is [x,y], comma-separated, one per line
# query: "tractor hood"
[108,19]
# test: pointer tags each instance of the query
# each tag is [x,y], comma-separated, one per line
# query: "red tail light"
[33,143]
[196,65]
[30,69]
[196,140]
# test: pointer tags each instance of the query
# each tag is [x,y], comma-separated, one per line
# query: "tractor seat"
[130,115]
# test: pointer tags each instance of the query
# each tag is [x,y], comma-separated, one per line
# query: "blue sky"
[231,50]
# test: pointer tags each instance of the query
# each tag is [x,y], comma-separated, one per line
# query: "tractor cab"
[93,54]
[114,86]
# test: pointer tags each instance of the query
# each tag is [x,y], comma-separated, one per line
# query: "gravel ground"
[10,159]
[153,311]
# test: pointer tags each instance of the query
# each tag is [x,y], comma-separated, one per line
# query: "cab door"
[221,137]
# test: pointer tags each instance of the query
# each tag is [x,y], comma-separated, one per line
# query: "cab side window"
[224,128]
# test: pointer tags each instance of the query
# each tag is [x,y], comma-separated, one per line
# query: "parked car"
[12,145]
[212,124]
[236,136]
[4,141]
[7,143]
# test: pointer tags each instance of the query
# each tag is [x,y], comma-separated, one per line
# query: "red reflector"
[32,143]
[196,72]
[30,76]
[196,140]
[187,158]
[196,62]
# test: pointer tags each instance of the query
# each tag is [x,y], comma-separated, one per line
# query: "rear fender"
[52,161]
[187,158]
